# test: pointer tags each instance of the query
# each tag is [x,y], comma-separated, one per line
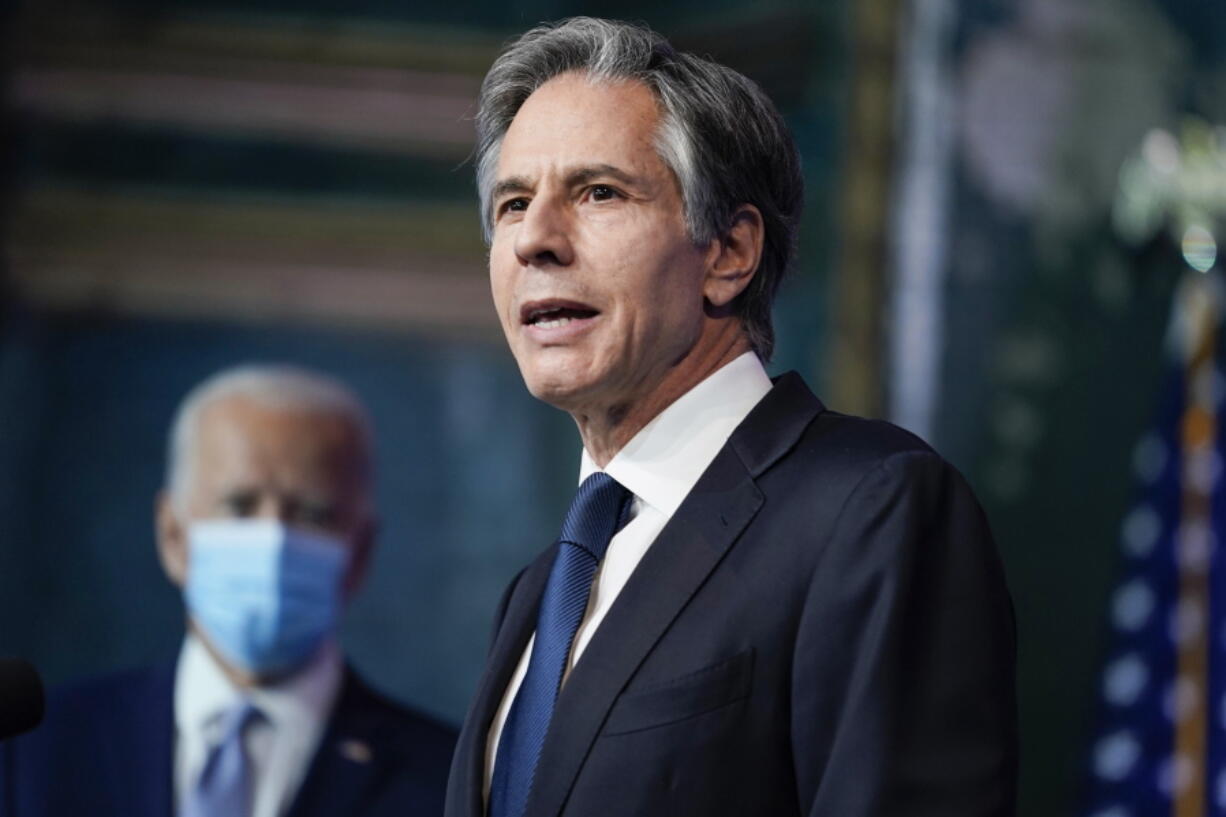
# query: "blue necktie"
[224,786]
[594,516]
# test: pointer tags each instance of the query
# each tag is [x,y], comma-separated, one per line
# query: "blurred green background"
[201,182]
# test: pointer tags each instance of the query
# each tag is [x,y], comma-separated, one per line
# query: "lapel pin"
[356,750]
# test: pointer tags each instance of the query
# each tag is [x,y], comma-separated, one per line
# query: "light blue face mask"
[265,594]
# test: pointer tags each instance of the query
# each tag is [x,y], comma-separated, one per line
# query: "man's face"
[596,282]
[257,462]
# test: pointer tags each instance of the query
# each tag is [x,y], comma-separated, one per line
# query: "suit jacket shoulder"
[377,758]
[361,707]
[790,421]
[804,456]
[112,736]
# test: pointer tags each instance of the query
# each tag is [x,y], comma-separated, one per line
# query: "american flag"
[1160,745]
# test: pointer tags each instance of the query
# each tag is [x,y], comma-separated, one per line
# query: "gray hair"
[719,134]
[271,386]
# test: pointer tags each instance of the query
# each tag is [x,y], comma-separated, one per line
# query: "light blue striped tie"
[224,788]
[594,516]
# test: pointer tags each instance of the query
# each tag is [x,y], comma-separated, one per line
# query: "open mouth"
[555,314]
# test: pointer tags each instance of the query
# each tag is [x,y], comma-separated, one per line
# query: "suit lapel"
[137,749]
[689,548]
[513,634]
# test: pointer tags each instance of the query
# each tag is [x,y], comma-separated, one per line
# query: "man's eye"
[317,515]
[514,206]
[241,504]
[602,192]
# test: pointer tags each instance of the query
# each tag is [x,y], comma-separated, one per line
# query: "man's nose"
[543,238]
[273,506]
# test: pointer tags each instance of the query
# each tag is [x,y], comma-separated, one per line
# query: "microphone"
[21,697]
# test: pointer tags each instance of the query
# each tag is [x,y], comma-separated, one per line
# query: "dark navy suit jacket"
[822,628]
[105,749]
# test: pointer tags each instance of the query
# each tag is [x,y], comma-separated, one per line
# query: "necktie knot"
[595,514]
[235,721]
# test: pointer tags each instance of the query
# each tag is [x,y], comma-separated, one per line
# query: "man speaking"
[755,606]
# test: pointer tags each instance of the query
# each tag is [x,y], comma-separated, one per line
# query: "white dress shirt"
[660,466]
[280,745]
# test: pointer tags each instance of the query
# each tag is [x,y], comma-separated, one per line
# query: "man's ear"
[359,561]
[735,256]
[171,539]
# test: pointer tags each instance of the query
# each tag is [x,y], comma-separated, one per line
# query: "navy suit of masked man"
[755,605]
[266,525]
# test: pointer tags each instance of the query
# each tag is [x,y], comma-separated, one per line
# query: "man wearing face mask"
[266,524]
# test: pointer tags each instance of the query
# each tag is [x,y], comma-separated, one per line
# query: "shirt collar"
[203,693]
[663,461]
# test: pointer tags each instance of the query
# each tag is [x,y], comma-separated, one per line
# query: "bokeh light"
[1199,248]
